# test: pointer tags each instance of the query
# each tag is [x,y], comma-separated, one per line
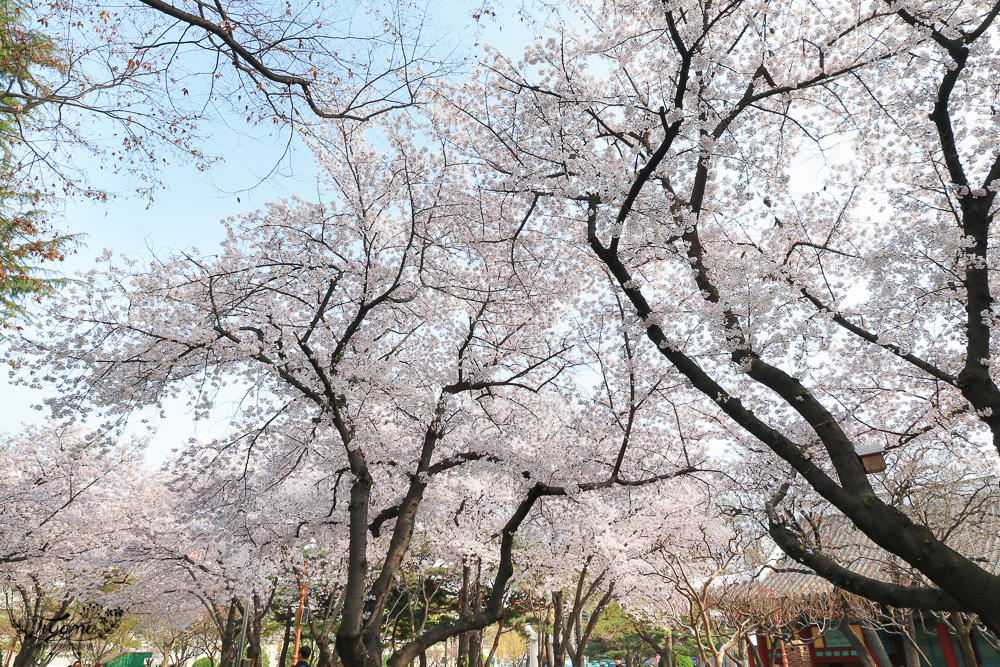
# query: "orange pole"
[303,587]
[10,653]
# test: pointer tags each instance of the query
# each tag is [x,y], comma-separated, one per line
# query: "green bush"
[684,661]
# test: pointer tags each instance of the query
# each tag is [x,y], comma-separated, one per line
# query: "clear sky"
[187,213]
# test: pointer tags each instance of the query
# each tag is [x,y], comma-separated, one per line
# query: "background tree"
[619,634]
[577,611]
[27,57]
[101,648]
[512,649]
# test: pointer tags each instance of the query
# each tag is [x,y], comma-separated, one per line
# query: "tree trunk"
[543,639]
[463,610]
[228,637]
[253,649]
[878,649]
[579,655]
[27,655]
[476,605]
[748,653]
[558,657]
[496,643]
[285,639]
[910,654]
[963,630]
[778,654]
[373,647]
[476,648]
[856,643]
[324,652]
[350,643]
[567,624]
[665,651]
[253,642]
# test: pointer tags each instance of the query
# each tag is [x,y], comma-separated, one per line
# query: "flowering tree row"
[752,230]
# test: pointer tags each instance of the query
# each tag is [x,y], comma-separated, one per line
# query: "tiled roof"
[978,540]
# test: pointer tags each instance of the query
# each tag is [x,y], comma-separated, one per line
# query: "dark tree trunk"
[476,648]
[28,654]
[877,648]
[463,609]
[286,638]
[321,624]
[324,653]
[545,638]
[476,606]
[496,642]
[38,626]
[259,609]
[664,651]
[558,647]
[253,643]
[228,636]
[350,644]
[579,655]
[373,647]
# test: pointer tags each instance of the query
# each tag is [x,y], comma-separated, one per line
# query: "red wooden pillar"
[947,647]
[807,638]
[762,650]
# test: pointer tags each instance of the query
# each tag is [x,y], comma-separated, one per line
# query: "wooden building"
[820,643]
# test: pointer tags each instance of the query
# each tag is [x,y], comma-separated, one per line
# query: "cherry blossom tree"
[87,88]
[702,585]
[570,629]
[404,347]
[392,368]
[63,514]
[59,481]
[132,84]
[213,559]
[671,141]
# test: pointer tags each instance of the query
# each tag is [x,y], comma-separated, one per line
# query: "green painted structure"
[130,660]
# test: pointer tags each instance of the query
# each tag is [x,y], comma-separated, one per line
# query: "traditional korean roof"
[977,538]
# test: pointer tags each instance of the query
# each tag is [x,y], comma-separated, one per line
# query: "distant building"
[832,649]
[809,647]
